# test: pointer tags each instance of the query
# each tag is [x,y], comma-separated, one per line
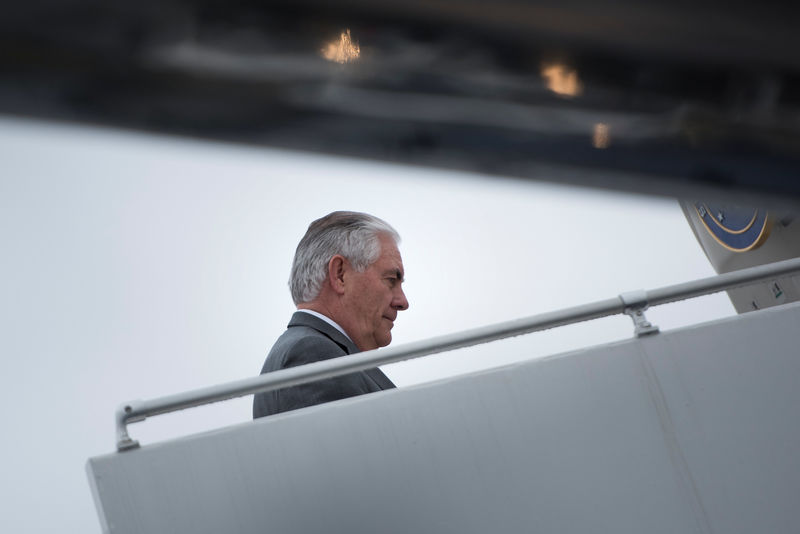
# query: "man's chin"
[385,340]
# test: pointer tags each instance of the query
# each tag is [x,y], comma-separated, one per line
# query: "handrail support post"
[636,303]
[125,415]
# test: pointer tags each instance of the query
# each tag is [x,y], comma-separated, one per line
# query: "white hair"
[354,235]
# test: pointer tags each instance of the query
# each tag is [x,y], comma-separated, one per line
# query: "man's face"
[374,297]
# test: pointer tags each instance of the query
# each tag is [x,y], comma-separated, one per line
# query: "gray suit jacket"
[310,339]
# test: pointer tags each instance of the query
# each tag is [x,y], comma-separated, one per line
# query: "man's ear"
[336,269]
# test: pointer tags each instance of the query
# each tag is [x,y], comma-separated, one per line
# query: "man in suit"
[346,282]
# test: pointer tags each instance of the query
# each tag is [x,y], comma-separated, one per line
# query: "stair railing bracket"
[636,303]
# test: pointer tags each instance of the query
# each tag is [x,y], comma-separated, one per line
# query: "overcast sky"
[138,266]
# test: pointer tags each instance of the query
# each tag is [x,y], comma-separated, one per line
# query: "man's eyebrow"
[396,272]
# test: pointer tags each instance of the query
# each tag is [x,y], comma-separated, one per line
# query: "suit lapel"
[380,379]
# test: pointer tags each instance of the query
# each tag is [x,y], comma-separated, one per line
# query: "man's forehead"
[389,247]
[390,264]
[390,261]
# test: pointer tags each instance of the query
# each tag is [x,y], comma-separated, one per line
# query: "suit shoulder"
[300,345]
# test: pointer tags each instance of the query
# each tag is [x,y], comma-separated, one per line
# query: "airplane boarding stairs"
[691,430]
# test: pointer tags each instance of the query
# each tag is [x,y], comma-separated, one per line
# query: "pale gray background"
[137,266]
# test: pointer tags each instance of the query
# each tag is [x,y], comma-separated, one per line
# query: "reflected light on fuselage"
[561,79]
[342,50]
[601,138]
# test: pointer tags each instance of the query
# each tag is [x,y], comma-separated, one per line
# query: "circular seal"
[735,228]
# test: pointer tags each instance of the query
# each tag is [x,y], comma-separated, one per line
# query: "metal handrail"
[636,301]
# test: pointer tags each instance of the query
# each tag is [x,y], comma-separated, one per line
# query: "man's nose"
[400,300]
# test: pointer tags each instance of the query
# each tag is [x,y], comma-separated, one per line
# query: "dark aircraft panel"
[697,99]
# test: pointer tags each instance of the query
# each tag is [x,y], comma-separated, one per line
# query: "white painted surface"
[693,430]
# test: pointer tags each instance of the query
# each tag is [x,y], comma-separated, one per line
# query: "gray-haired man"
[346,282]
